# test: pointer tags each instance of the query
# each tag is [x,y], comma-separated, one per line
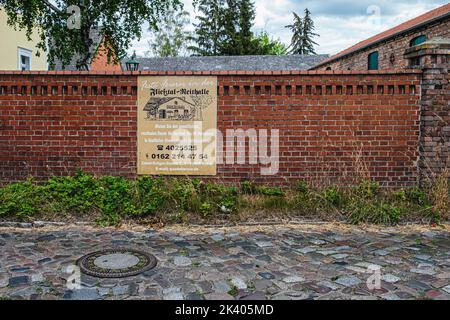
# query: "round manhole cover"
[116,263]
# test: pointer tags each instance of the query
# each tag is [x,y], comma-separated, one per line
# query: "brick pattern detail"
[435,115]
[54,124]
[391,52]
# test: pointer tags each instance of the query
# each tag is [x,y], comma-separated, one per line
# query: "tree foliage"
[171,39]
[247,16]
[264,45]
[225,29]
[239,16]
[302,34]
[209,31]
[119,20]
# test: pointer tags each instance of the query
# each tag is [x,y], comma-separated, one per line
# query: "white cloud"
[340,23]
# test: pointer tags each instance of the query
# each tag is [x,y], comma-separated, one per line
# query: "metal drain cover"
[116,263]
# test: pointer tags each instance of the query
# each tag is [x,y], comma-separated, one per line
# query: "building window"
[24,59]
[328,68]
[418,40]
[373,61]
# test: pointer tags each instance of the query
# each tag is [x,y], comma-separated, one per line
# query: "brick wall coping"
[215,73]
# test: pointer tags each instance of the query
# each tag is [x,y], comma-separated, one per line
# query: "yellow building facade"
[16,52]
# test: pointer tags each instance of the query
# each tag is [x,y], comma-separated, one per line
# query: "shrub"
[20,199]
[80,193]
[206,209]
[333,196]
[247,187]
[302,187]
[374,212]
[151,195]
[367,189]
[270,191]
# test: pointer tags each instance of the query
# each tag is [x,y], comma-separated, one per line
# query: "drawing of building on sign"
[171,108]
[175,108]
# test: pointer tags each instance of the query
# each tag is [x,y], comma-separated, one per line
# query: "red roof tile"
[427,17]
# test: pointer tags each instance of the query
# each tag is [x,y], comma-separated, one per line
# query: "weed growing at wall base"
[111,200]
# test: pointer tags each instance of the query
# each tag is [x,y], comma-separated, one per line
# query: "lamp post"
[132,64]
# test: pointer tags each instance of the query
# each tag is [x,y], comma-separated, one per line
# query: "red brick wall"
[393,48]
[327,120]
[61,123]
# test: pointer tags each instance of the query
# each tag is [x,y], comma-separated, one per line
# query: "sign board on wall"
[177,125]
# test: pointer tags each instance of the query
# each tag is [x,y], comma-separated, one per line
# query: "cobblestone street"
[309,261]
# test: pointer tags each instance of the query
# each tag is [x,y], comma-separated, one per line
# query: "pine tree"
[302,34]
[246,20]
[297,35]
[239,16]
[209,31]
[308,34]
[225,29]
[230,43]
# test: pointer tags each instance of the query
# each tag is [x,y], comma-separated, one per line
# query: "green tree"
[209,32]
[239,16]
[302,34]
[308,34]
[120,20]
[229,44]
[224,28]
[262,44]
[171,39]
[246,20]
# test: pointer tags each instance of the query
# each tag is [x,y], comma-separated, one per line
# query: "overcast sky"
[340,23]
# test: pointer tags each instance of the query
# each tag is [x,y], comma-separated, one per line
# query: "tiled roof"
[234,63]
[419,21]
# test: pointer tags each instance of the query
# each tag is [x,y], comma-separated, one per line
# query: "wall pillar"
[433,57]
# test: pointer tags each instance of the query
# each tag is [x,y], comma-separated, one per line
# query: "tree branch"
[51,6]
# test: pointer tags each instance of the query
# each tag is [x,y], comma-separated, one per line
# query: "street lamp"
[132,64]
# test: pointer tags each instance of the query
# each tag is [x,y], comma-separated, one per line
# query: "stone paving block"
[173,294]
[293,279]
[218,297]
[18,281]
[390,278]
[82,294]
[348,281]
[238,283]
[182,261]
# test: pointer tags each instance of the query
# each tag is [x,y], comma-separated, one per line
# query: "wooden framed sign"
[177,125]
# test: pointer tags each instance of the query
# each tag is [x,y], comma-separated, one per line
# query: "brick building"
[99,61]
[386,50]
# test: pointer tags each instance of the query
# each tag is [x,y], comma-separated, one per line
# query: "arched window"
[328,68]
[418,40]
[373,61]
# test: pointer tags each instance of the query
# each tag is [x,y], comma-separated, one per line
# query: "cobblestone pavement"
[276,262]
